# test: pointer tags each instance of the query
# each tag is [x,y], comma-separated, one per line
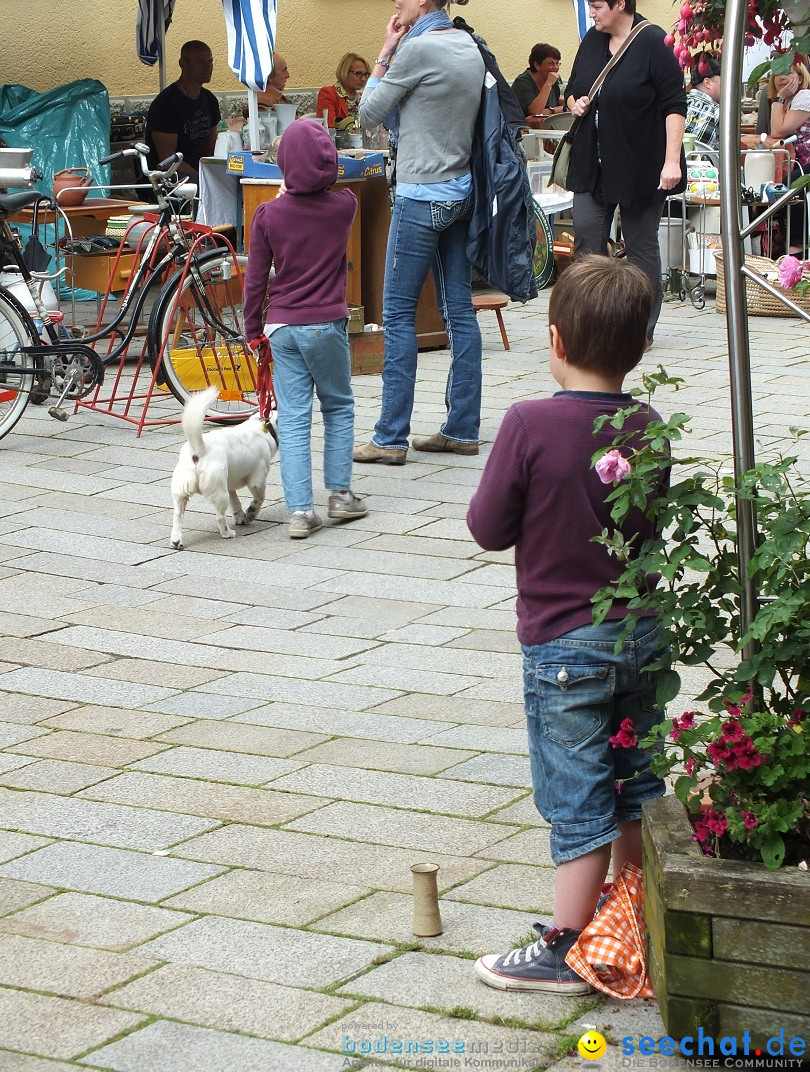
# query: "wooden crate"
[728,941]
[94,271]
[367,349]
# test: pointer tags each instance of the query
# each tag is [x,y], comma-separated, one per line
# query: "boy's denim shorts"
[577,693]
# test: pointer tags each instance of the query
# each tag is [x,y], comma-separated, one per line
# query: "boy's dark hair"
[542,52]
[601,306]
[704,66]
[629,5]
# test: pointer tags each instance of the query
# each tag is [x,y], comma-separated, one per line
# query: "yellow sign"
[592,1046]
[236,162]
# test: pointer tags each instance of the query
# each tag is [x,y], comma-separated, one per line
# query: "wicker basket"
[758,300]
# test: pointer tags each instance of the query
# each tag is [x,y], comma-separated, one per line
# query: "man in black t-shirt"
[183,118]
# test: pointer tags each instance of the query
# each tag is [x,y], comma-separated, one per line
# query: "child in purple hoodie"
[304,233]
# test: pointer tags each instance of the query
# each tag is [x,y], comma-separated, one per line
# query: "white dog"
[219,462]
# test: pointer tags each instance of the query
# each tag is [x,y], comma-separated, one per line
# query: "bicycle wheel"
[543,263]
[196,337]
[16,331]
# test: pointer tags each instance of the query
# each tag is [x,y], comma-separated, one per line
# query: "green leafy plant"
[746,763]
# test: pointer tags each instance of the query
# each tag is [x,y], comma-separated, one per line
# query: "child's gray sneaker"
[346,506]
[537,966]
[303,523]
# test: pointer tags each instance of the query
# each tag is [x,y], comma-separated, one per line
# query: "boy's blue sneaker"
[537,966]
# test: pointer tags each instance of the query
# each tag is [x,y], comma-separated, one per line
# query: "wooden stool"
[496,302]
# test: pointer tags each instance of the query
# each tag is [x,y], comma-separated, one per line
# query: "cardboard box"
[94,271]
[366,166]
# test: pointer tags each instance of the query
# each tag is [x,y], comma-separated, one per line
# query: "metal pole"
[739,352]
[161,48]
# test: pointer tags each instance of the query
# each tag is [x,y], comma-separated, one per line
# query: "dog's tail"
[193,417]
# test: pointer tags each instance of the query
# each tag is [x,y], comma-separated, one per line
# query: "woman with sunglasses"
[342,100]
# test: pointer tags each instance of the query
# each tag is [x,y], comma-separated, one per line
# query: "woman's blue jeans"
[307,356]
[429,235]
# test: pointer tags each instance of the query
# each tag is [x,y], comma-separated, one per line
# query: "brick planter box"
[728,942]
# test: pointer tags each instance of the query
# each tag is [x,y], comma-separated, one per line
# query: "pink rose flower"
[612,467]
[791,272]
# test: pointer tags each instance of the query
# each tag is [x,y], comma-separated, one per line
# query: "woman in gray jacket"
[427,85]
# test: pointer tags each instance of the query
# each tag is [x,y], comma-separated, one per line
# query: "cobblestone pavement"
[218,765]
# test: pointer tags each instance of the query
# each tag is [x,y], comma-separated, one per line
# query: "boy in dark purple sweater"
[540,494]
[304,233]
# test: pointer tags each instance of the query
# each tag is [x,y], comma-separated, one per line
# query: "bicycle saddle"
[11,204]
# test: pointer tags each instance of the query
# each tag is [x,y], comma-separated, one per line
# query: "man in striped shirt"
[703,103]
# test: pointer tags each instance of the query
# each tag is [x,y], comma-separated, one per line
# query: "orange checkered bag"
[610,953]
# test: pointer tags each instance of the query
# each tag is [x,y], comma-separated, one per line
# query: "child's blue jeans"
[577,693]
[307,356]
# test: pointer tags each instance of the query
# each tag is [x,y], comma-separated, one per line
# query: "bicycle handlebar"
[165,168]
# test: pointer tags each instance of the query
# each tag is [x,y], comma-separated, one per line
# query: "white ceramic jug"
[222,145]
[269,129]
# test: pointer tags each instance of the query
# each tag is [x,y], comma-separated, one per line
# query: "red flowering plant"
[743,766]
[700,25]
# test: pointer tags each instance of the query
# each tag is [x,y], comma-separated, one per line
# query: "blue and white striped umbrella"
[251,28]
[581,15]
[149,32]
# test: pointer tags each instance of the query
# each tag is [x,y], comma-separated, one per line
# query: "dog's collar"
[268,427]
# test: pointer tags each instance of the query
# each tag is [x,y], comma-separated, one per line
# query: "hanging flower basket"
[701,23]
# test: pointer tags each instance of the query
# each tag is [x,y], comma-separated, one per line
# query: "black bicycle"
[195,334]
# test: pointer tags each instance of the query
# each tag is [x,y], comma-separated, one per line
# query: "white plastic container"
[670,241]
[13,281]
[759,168]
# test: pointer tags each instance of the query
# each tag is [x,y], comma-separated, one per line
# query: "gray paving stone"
[19,1062]
[89,748]
[284,642]
[456,709]
[317,693]
[112,824]
[114,722]
[68,971]
[418,680]
[468,928]
[170,1047]
[23,625]
[479,1040]
[366,724]
[266,898]
[99,922]
[395,790]
[288,853]
[13,733]
[422,634]
[491,739]
[149,672]
[67,566]
[116,872]
[261,951]
[439,593]
[530,889]
[239,737]
[56,776]
[228,1002]
[27,1023]
[198,705]
[192,653]
[387,612]
[446,982]
[15,895]
[523,812]
[194,797]
[266,597]
[18,707]
[218,766]
[94,548]
[13,844]
[12,763]
[141,620]
[388,826]
[446,659]
[530,847]
[379,756]
[82,687]
[495,768]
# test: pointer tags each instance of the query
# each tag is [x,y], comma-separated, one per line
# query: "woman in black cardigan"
[628,150]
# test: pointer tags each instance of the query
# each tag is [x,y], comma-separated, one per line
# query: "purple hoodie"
[304,233]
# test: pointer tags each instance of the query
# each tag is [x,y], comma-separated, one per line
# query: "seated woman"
[342,100]
[539,89]
[790,114]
